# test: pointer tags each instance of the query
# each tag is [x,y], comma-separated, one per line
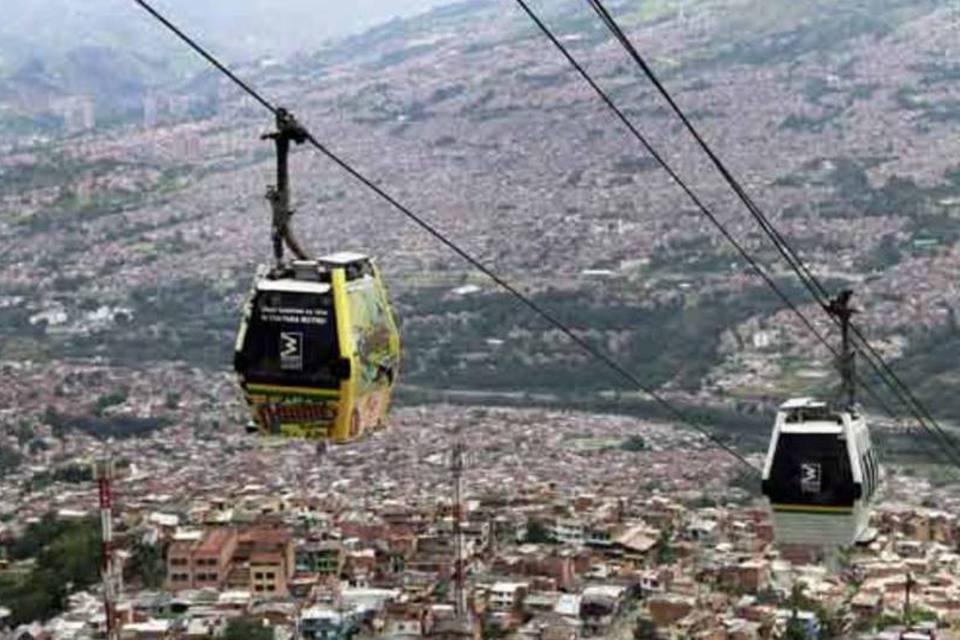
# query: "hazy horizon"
[240,29]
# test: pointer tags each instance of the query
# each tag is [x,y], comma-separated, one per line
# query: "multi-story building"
[325,558]
[202,563]
[507,596]
[323,623]
[569,531]
[268,574]
[264,560]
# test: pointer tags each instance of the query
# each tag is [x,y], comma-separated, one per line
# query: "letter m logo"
[291,351]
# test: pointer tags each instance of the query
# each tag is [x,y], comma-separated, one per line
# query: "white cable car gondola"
[821,472]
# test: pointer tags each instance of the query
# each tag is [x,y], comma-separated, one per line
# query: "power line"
[810,281]
[426,226]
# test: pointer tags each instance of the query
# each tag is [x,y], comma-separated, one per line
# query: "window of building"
[258,575]
[258,587]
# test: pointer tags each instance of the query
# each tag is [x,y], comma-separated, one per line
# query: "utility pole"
[840,308]
[104,473]
[911,583]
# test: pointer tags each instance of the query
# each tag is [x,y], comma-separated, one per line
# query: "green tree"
[796,629]
[147,566]
[108,400]
[28,603]
[65,553]
[645,629]
[664,551]
[537,533]
[634,443]
[172,400]
[9,460]
[247,629]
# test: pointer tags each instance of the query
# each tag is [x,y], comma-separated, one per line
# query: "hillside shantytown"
[573,525]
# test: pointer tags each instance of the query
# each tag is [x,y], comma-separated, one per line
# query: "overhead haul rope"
[426,226]
[876,361]
[659,158]
[695,199]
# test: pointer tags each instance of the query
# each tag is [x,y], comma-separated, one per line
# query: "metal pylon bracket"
[288,130]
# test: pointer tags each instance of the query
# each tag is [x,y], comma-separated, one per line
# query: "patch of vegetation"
[489,342]
[70,474]
[886,254]
[634,164]
[104,427]
[538,533]
[929,221]
[146,566]
[747,481]
[247,629]
[927,110]
[10,461]
[545,80]
[634,443]
[182,320]
[937,73]
[744,431]
[446,93]
[810,124]
[824,33]
[66,554]
[929,367]
[111,399]
[402,55]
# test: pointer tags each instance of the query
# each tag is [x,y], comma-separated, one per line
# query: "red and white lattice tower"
[456,466]
[104,473]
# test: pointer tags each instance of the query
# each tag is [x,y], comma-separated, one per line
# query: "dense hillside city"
[133,218]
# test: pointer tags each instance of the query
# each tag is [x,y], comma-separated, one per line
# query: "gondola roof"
[803,403]
[293,286]
[342,258]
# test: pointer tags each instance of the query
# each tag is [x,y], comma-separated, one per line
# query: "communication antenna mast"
[104,472]
[840,308]
[456,467]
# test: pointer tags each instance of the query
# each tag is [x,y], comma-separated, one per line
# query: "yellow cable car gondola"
[318,350]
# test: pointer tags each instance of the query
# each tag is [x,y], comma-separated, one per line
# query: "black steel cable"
[632,128]
[674,175]
[810,281]
[700,205]
[426,226]
[206,55]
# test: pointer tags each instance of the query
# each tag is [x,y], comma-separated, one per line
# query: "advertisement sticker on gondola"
[292,340]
